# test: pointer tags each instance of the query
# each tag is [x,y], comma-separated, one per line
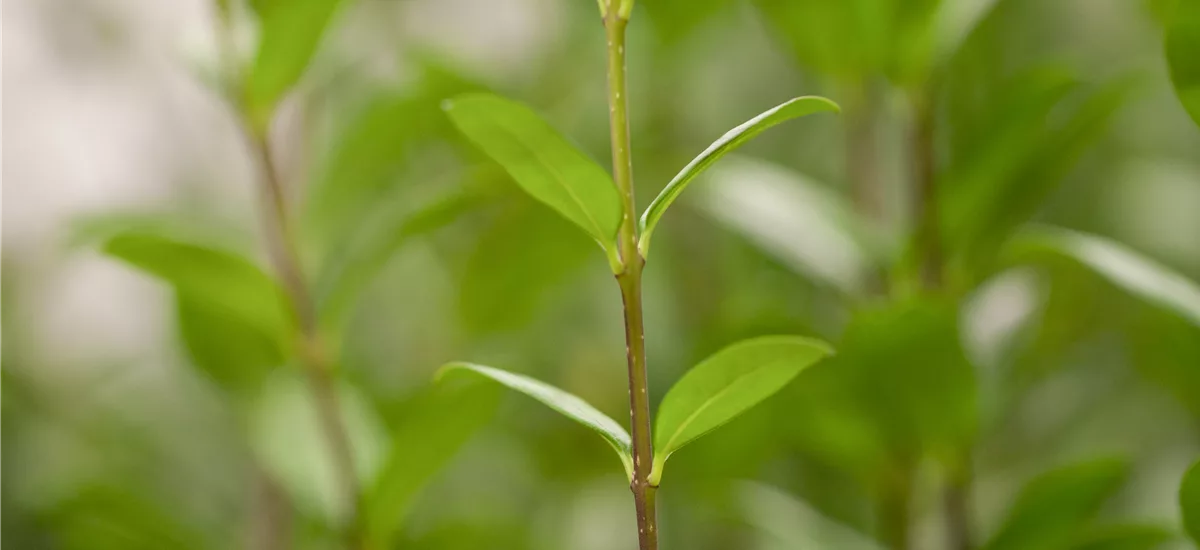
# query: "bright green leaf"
[1055,507]
[727,384]
[432,428]
[569,405]
[228,284]
[1183,54]
[289,36]
[233,354]
[1119,265]
[1123,537]
[543,163]
[1189,501]
[732,139]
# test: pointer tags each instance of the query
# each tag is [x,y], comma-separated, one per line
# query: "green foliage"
[432,427]
[543,163]
[1054,508]
[1123,537]
[289,36]
[1183,54]
[727,384]
[794,108]
[1189,501]
[568,405]
[233,353]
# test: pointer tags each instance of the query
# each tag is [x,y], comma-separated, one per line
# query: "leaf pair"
[711,394]
[556,173]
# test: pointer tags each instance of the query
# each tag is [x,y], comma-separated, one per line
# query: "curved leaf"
[727,384]
[1121,266]
[732,139]
[542,162]
[569,405]
[290,34]
[1189,501]
[1183,54]
[1055,506]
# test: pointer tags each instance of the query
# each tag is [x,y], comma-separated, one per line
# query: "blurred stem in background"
[630,279]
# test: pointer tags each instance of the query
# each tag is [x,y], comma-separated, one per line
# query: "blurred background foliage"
[999,236]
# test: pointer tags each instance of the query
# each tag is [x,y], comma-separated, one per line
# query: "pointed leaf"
[289,35]
[569,405]
[1183,54]
[228,284]
[725,385]
[1055,506]
[1119,265]
[732,139]
[1189,501]
[434,426]
[543,163]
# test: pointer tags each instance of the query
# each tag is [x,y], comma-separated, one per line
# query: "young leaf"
[1183,54]
[732,139]
[725,385]
[569,405]
[290,33]
[1053,508]
[1189,501]
[543,163]
[433,427]
[1119,265]
[228,284]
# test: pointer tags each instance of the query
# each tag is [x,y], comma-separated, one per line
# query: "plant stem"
[927,212]
[630,281]
[311,350]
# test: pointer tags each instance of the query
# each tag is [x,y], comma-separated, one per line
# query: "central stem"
[630,281]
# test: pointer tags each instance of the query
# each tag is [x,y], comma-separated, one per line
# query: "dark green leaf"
[233,354]
[732,139]
[727,384]
[569,405]
[289,36]
[1189,501]
[542,162]
[433,427]
[1123,537]
[1054,508]
[1122,267]
[1183,54]
[228,284]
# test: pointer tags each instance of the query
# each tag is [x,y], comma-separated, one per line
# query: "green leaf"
[229,285]
[796,523]
[233,354]
[732,139]
[1122,267]
[543,163]
[1123,537]
[432,428]
[569,405]
[1189,501]
[727,384]
[289,35]
[1183,54]
[1055,507]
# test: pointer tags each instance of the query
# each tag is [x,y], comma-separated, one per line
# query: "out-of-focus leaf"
[287,436]
[1010,164]
[542,162]
[229,285]
[1166,350]
[568,405]
[1123,537]
[1122,267]
[1183,54]
[1189,501]
[800,222]
[1054,508]
[794,523]
[235,355]
[732,139]
[515,263]
[674,20]
[289,35]
[431,429]
[727,384]
[350,268]
[110,518]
